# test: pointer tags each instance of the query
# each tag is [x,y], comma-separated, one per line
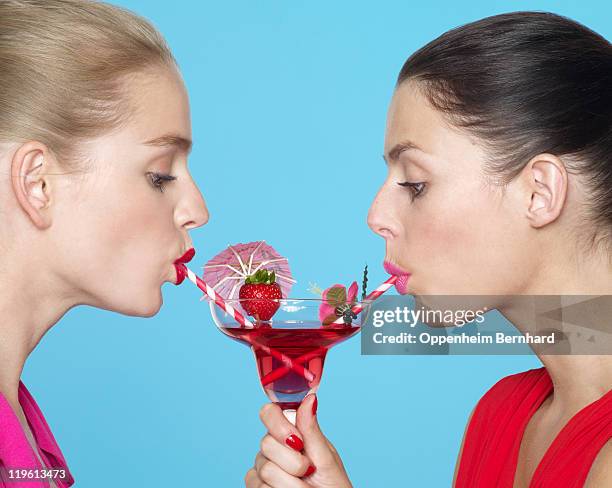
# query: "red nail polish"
[311,469]
[294,442]
[315,404]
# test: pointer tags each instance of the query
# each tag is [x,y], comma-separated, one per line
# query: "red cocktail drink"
[290,349]
[306,345]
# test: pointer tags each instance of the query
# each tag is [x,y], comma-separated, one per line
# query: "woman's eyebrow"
[394,153]
[167,140]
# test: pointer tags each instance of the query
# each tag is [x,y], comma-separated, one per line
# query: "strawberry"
[260,295]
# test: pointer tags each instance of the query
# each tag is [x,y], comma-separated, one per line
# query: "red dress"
[493,437]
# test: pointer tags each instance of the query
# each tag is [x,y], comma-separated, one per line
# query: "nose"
[191,212]
[381,216]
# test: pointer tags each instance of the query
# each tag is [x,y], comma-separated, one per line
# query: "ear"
[546,179]
[29,165]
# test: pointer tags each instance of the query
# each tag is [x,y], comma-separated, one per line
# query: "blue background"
[289,97]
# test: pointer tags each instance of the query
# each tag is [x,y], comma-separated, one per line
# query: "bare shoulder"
[601,471]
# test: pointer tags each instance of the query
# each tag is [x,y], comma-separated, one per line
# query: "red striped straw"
[371,297]
[278,373]
[244,322]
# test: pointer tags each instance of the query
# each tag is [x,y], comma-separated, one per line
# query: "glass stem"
[290,415]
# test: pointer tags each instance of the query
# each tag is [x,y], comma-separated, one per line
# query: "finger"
[280,428]
[252,480]
[272,475]
[287,459]
[259,460]
[317,448]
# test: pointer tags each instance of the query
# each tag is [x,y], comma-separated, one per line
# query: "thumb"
[316,446]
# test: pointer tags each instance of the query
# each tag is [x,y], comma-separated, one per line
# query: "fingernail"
[294,442]
[315,404]
[311,469]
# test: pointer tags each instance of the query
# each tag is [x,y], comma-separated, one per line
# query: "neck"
[578,380]
[30,304]
[575,301]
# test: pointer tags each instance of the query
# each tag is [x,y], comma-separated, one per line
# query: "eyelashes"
[416,188]
[159,180]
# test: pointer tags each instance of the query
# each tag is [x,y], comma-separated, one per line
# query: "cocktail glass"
[290,349]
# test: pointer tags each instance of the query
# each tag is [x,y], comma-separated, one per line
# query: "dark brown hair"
[526,83]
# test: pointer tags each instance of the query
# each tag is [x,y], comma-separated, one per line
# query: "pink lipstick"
[181,273]
[401,285]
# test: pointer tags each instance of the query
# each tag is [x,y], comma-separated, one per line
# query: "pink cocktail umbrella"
[227,271]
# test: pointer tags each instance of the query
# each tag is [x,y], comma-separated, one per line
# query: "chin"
[154,308]
[149,313]
[147,308]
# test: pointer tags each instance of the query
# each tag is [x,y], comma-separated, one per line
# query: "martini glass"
[290,349]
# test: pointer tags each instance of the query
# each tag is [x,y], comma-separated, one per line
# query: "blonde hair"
[63,66]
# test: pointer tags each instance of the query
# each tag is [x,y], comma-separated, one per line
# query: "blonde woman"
[96,200]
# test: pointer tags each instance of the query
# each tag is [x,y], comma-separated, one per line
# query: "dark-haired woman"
[499,152]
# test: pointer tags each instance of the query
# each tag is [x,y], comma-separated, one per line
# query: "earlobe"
[31,188]
[547,182]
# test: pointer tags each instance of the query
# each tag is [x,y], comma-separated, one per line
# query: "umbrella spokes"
[267,263]
[244,269]
[228,269]
[286,278]
[253,254]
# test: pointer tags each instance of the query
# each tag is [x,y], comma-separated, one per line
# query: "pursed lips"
[401,285]
[181,273]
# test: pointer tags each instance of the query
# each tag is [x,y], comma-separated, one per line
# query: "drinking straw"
[371,297]
[278,373]
[212,294]
[244,322]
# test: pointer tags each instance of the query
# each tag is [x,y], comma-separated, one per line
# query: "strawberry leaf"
[261,276]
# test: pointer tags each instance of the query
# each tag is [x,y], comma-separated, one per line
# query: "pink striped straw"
[244,322]
[371,297]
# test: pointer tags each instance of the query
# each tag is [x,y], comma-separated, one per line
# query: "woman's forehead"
[159,106]
[411,118]
[413,122]
[158,121]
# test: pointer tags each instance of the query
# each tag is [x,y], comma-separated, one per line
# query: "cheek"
[445,226]
[125,250]
[465,243]
[139,238]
